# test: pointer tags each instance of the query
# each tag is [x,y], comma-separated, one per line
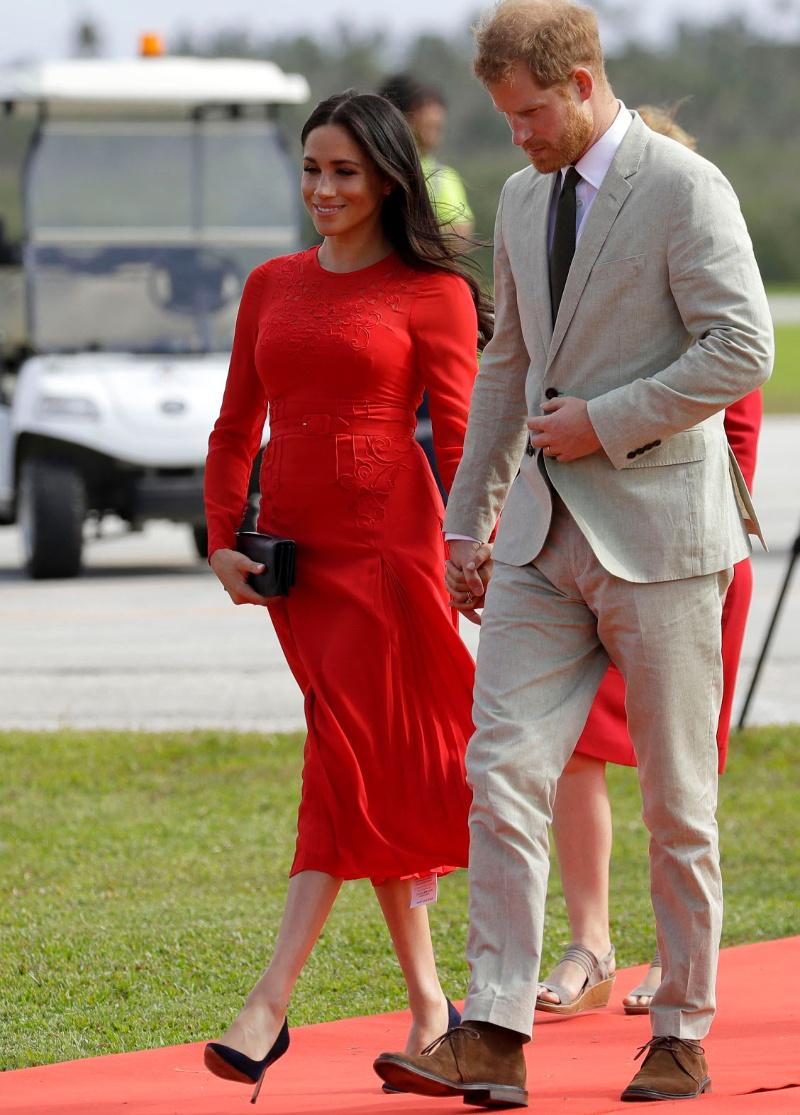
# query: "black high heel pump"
[453,1020]
[230,1064]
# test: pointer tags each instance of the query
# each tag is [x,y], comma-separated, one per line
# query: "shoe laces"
[669,1042]
[434,1045]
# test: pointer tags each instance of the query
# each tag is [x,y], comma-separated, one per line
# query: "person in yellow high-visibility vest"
[426,111]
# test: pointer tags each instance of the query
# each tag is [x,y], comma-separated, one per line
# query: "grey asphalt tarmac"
[785,308]
[146,638]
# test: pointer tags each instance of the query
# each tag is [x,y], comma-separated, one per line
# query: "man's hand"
[232,568]
[565,431]
[467,574]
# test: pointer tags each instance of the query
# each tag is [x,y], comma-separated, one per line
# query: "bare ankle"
[260,1000]
[600,946]
[425,1003]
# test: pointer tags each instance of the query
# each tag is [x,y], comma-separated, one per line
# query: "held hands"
[232,568]
[565,431]
[466,574]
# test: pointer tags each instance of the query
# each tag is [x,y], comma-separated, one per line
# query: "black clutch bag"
[277,555]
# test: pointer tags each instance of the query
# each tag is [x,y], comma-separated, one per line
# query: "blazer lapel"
[611,197]
[536,274]
[546,186]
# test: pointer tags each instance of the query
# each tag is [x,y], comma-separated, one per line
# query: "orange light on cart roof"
[151,45]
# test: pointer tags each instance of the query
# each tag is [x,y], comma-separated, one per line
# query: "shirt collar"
[594,165]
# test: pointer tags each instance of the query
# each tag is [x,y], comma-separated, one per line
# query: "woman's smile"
[342,189]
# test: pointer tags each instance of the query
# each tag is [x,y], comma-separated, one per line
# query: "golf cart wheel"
[51,512]
[200,536]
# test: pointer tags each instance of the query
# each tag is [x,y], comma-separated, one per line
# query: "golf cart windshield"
[140,234]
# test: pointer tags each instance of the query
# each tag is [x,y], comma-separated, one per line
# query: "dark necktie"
[563,248]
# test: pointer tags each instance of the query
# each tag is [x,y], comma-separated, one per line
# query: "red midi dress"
[340,362]
[605,735]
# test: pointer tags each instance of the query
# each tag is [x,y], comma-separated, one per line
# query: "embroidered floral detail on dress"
[304,305]
[368,467]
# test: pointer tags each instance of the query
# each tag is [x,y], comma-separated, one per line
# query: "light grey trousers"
[549,630]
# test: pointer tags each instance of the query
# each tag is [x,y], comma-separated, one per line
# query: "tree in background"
[742,89]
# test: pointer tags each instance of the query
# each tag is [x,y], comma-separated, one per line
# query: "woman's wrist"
[216,554]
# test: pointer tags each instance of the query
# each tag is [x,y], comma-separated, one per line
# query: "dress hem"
[376,880]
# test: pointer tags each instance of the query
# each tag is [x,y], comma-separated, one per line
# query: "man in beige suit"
[630,313]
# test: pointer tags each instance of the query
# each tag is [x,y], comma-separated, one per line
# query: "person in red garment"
[584,976]
[336,344]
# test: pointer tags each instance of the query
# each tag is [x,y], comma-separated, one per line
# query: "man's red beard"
[573,142]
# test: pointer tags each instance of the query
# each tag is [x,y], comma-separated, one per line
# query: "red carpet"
[575,1067]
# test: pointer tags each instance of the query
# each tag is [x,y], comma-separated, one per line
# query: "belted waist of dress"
[318,419]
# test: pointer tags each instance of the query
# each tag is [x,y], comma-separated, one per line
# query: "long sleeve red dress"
[340,362]
[605,735]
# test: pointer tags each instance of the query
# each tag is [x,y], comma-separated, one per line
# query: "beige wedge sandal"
[642,989]
[596,990]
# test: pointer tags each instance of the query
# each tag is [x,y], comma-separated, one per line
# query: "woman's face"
[342,188]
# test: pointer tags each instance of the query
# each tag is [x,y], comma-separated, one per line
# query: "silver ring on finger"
[469,598]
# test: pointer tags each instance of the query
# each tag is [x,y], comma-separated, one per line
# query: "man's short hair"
[550,37]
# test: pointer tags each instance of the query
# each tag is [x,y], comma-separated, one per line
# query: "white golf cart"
[135,197]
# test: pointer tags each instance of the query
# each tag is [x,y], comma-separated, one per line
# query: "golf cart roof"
[150,82]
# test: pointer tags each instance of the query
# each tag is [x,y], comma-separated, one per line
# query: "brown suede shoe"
[674,1069]
[478,1061]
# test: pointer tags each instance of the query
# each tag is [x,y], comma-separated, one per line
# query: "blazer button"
[551,393]
[529,448]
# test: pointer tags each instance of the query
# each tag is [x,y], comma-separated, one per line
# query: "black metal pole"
[768,637]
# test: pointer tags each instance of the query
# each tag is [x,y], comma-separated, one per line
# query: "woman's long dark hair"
[409,223]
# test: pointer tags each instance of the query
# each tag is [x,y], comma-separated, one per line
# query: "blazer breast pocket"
[612,293]
[619,268]
[681,449]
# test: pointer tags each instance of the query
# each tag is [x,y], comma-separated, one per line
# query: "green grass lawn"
[142,878]
[782,391]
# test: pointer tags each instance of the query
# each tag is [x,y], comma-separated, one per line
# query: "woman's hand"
[467,573]
[232,569]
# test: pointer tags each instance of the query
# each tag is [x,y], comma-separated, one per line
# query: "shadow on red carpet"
[575,1067]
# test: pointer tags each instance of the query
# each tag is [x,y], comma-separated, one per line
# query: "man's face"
[552,126]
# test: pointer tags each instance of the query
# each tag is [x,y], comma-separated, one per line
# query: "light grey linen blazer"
[663,323]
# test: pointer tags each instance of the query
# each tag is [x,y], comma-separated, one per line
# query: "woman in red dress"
[337,344]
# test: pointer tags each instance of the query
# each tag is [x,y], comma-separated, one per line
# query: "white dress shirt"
[593,166]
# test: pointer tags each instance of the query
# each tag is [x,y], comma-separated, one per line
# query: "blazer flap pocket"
[620,263]
[680,449]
